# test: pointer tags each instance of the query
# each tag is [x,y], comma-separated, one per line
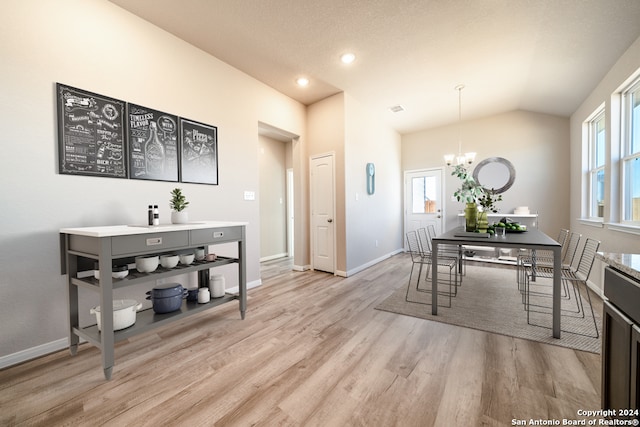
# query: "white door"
[423,199]
[322,213]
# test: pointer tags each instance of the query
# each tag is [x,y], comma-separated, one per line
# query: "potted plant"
[470,192]
[178,204]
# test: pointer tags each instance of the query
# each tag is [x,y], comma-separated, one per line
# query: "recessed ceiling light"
[396,108]
[348,58]
[302,81]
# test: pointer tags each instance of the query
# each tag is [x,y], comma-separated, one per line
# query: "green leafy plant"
[178,201]
[470,191]
[489,199]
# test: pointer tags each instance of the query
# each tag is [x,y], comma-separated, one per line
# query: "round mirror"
[495,173]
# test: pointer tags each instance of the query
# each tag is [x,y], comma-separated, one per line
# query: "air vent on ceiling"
[396,108]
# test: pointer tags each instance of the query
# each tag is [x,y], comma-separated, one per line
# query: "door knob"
[329,220]
[439,216]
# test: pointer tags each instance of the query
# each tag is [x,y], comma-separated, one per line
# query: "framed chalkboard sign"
[198,152]
[91,137]
[153,144]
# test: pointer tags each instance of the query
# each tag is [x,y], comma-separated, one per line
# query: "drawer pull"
[218,234]
[154,241]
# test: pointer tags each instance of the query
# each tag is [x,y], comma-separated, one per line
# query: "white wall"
[536,144]
[622,73]
[373,222]
[95,45]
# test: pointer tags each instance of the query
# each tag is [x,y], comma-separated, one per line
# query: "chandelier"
[460,159]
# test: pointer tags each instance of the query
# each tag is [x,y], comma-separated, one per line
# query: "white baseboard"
[369,264]
[277,256]
[250,285]
[33,352]
[596,289]
[301,267]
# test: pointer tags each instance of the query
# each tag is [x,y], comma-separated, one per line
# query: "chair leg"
[579,302]
[406,298]
[443,293]
[595,324]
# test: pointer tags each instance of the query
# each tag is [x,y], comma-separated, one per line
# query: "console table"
[121,244]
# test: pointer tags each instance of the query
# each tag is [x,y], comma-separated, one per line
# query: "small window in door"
[423,191]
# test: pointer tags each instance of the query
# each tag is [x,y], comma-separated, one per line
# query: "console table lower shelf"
[147,320]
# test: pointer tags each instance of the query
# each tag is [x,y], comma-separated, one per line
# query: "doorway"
[423,199]
[276,172]
[322,198]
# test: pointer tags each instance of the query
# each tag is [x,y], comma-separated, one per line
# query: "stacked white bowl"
[521,210]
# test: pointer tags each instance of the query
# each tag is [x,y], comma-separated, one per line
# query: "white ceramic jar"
[217,286]
[204,295]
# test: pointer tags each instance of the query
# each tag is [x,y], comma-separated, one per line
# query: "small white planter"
[181,217]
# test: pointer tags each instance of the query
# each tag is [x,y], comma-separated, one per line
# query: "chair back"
[431,229]
[425,240]
[562,239]
[572,248]
[414,246]
[588,256]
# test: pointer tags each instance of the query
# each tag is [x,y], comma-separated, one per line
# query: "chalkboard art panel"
[198,152]
[90,133]
[153,144]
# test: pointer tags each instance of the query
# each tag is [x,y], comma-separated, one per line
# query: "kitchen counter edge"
[627,263]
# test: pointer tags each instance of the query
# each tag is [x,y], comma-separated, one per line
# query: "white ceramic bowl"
[186,259]
[120,274]
[169,261]
[147,264]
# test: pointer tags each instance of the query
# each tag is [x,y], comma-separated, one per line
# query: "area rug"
[489,300]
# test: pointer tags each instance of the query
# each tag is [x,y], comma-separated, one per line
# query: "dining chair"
[544,265]
[450,251]
[526,258]
[421,258]
[444,258]
[577,278]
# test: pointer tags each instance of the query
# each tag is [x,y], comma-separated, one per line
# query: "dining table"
[532,239]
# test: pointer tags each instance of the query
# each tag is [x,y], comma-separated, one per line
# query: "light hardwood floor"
[312,351]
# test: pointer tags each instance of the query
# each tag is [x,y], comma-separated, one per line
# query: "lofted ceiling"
[539,55]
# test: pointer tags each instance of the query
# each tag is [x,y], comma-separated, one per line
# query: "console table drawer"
[159,242]
[212,236]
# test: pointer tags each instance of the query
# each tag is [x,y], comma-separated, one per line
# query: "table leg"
[242,277]
[557,283]
[434,277]
[107,337]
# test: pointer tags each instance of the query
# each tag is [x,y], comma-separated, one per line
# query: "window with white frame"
[597,156]
[631,154]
